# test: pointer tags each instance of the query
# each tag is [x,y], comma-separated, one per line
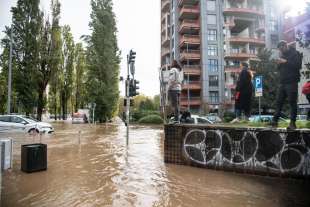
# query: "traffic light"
[132,57]
[133,87]
[136,86]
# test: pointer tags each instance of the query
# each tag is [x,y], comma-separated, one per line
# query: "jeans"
[174,97]
[289,91]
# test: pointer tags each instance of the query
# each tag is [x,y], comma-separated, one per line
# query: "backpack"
[306,88]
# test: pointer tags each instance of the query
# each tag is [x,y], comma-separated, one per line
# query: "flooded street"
[102,171]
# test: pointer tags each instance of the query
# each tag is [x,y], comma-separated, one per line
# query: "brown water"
[102,171]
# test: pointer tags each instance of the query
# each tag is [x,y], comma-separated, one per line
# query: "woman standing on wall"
[244,90]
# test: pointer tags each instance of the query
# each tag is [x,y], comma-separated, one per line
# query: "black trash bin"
[34,157]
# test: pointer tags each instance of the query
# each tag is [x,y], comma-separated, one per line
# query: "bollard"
[7,153]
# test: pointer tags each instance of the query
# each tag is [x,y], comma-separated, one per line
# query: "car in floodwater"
[79,118]
[264,118]
[194,119]
[20,123]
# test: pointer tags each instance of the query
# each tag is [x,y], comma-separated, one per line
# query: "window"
[16,119]
[5,118]
[211,19]
[235,50]
[214,96]
[211,5]
[212,50]
[252,50]
[213,81]
[212,35]
[202,121]
[213,65]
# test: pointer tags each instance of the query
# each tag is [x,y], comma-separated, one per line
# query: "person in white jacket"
[175,87]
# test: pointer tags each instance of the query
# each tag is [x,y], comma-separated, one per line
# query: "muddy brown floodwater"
[102,171]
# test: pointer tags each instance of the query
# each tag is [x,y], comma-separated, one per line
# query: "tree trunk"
[63,104]
[40,104]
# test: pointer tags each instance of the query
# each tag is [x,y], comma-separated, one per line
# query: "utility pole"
[10,74]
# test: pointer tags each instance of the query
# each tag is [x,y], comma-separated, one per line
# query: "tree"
[66,69]
[44,72]
[26,21]
[103,60]
[55,58]
[80,70]
[268,69]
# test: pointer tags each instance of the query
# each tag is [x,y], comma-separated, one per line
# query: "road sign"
[259,86]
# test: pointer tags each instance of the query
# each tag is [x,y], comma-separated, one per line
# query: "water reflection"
[102,171]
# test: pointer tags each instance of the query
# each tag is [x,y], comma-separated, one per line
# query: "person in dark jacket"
[244,91]
[289,78]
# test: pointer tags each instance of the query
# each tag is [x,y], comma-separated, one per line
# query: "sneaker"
[292,126]
[236,120]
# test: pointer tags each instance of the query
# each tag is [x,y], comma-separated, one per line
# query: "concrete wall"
[246,150]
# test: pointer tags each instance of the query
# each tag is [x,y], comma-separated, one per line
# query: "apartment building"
[291,27]
[210,38]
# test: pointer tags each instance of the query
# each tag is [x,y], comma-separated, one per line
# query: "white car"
[18,123]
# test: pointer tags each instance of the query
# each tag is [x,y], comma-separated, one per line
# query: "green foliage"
[103,60]
[80,82]
[26,24]
[151,119]
[228,116]
[268,69]
[56,57]
[138,114]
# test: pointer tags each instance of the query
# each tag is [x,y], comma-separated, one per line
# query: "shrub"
[228,116]
[151,119]
[137,114]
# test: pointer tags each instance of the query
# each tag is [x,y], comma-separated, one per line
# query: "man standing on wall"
[174,88]
[288,65]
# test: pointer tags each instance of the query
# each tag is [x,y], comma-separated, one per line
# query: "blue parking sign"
[259,86]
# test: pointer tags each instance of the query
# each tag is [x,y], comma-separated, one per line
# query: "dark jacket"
[289,71]
[245,87]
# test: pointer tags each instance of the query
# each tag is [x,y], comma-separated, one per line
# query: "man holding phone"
[288,66]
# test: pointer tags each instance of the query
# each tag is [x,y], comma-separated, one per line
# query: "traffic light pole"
[127,102]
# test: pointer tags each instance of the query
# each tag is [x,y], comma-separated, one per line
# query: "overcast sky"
[138,23]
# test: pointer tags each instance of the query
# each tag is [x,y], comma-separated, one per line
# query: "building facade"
[210,38]
[293,26]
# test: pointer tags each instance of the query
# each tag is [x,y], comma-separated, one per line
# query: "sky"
[138,24]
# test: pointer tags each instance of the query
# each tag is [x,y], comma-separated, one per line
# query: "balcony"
[192,70]
[190,40]
[243,12]
[188,2]
[246,40]
[192,85]
[191,100]
[190,55]
[165,5]
[165,52]
[189,12]
[242,55]
[232,69]
[189,26]
[165,41]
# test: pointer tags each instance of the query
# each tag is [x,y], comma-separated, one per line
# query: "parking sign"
[258,86]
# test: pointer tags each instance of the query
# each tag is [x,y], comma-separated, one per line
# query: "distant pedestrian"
[174,88]
[244,90]
[306,92]
[289,65]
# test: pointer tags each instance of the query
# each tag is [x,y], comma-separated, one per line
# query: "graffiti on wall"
[280,151]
